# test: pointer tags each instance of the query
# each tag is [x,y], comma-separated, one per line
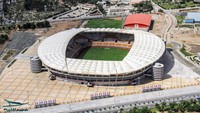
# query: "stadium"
[79,55]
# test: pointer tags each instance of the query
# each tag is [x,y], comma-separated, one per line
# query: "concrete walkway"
[23,57]
[137,99]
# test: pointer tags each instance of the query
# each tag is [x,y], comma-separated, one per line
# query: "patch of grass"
[103,53]
[169,45]
[154,110]
[188,26]
[197,25]
[8,54]
[184,51]
[104,23]
[180,19]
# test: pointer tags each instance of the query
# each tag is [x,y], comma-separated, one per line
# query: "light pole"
[70,98]
[28,95]
[37,81]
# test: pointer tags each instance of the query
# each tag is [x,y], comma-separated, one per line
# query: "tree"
[145,6]
[172,106]
[3,38]
[157,106]
[134,110]
[196,107]
[121,110]
[193,106]
[101,8]
[74,2]
[160,10]
[161,108]
[39,5]
[47,23]
[108,3]
[1,20]
[145,110]
[183,105]
[5,6]
[193,101]
[43,24]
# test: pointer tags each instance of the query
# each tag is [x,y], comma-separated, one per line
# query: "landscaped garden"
[168,4]
[174,107]
[184,51]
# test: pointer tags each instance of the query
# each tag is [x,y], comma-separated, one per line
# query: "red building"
[138,21]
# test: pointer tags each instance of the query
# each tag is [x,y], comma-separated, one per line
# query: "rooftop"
[193,15]
[142,19]
[147,48]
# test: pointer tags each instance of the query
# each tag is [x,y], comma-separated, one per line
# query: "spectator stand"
[151,88]
[45,103]
[100,95]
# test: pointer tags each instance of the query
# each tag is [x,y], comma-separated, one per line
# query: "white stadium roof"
[146,49]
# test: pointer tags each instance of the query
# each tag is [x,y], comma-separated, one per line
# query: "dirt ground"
[56,27]
[195,48]
[159,24]
[189,37]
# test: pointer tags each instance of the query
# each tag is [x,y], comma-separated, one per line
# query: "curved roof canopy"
[147,48]
[142,19]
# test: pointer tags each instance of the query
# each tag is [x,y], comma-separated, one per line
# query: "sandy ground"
[159,24]
[195,48]
[55,27]
[189,37]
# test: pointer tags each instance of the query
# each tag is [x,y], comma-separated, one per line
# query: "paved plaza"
[125,102]
[17,83]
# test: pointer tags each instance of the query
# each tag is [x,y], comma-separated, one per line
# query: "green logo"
[12,103]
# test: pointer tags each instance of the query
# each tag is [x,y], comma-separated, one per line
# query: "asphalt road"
[177,55]
[20,40]
[114,104]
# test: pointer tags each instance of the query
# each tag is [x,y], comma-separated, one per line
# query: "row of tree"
[33,25]
[40,5]
[145,6]
[74,2]
[182,106]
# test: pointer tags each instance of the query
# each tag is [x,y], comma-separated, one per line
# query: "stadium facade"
[58,54]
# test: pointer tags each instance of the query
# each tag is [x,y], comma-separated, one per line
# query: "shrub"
[3,38]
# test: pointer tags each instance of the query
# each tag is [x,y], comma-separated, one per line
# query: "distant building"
[10,1]
[111,1]
[124,1]
[138,21]
[196,0]
[115,10]
[136,1]
[192,17]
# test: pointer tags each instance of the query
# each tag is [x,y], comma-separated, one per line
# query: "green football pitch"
[104,53]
